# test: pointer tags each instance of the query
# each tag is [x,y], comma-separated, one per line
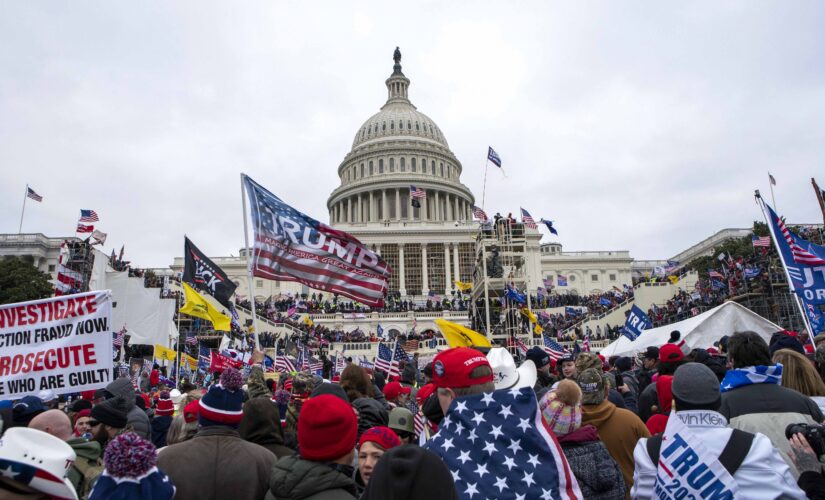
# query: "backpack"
[732,456]
[89,472]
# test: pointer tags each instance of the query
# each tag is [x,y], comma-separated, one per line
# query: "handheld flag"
[291,246]
[637,322]
[164,353]
[464,287]
[198,307]
[203,274]
[460,336]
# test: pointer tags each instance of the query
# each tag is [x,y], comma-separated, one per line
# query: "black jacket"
[371,413]
[296,479]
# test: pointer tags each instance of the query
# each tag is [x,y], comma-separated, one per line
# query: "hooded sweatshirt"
[87,466]
[136,417]
[619,430]
[296,479]
[598,474]
[261,425]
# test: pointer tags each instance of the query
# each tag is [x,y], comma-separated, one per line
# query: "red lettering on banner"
[77,355]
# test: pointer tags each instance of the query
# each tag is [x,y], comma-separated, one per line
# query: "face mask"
[432,409]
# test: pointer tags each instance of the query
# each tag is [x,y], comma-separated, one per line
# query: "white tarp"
[147,317]
[699,331]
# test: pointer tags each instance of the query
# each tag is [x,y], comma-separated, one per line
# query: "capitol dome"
[400,168]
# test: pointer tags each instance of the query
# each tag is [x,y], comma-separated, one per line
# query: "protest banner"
[189,360]
[220,363]
[60,344]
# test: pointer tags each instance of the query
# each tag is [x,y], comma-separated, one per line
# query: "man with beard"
[108,419]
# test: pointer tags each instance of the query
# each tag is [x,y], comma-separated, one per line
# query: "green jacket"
[87,466]
[296,479]
[256,385]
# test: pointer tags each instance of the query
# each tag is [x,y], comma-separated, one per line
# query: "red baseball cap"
[452,368]
[670,353]
[394,389]
[423,393]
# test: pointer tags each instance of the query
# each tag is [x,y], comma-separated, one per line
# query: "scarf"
[749,375]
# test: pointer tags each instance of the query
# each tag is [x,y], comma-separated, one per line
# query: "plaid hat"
[327,429]
[561,408]
[670,353]
[223,404]
[588,360]
[395,389]
[382,436]
[401,419]
[131,472]
[592,383]
[165,407]
[452,368]
[538,356]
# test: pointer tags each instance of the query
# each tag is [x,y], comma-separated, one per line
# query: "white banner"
[688,470]
[63,344]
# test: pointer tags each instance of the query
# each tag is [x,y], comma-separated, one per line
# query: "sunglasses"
[93,423]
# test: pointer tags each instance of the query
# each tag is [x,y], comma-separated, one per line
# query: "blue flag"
[637,322]
[204,358]
[605,302]
[550,227]
[493,157]
[513,294]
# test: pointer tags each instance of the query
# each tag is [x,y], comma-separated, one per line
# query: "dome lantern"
[397,83]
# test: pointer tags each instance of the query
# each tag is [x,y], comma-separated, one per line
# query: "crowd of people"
[745,405]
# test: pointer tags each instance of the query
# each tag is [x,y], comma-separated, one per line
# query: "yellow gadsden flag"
[461,336]
[464,287]
[527,313]
[198,307]
[192,362]
[308,320]
[165,353]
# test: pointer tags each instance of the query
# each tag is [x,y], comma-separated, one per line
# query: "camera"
[815,434]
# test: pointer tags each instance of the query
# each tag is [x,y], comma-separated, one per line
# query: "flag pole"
[819,197]
[25,195]
[248,267]
[483,189]
[805,319]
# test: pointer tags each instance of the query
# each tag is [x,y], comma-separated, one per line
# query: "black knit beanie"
[410,472]
[111,412]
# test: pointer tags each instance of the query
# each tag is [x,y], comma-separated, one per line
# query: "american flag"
[548,282]
[497,442]
[31,194]
[586,343]
[479,214]
[493,157]
[83,228]
[68,281]
[411,345]
[417,192]
[418,420]
[117,341]
[715,274]
[527,219]
[284,364]
[191,339]
[315,365]
[521,346]
[88,216]
[387,360]
[269,364]
[808,256]
[291,246]
[434,296]
[761,241]
[555,350]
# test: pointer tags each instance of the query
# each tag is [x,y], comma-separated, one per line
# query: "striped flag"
[388,360]
[521,346]
[31,194]
[117,341]
[291,246]
[493,157]
[555,350]
[88,216]
[479,214]
[284,364]
[586,343]
[191,339]
[761,241]
[527,219]
[417,193]
[83,228]
[715,274]
[800,255]
[411,345]
[418,421]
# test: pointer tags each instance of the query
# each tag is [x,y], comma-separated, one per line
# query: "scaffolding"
[500,260]
[79,261]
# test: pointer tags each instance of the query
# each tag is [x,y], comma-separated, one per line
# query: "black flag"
[203,274]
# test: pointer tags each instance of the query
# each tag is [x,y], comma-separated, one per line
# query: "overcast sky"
[639,126]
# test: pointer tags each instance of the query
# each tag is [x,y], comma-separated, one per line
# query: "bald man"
[88,466]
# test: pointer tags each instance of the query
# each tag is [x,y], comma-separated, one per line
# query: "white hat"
[175,396]
[505,373]
[46,395]
[38,460]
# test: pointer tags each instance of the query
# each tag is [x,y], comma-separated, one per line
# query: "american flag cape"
[497,445]
[291,246]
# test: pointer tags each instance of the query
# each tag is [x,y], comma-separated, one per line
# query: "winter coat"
[296,479]
[544,381]
[619,430]
[598,475]
[160,428]
[629,378]
[769,409]
[371,413]
[647,399]
[762,475]
[135,416]
[217,464]
[154,378]
[86,467]
[262,425]
[256,385]
[643,378]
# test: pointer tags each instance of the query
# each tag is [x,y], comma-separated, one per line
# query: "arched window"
[442,169]
[381,166]
[416,126]
[392,124]
[371,172]
[392,164]
[403,165]
[384,126]
[362,170]
[412,164]
[409,125]
[432,164]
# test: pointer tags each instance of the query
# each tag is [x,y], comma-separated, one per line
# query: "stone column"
[385,208]
[397,204]
[448,283]
[402,283]
[424,209]
[360,208]
[425,280]
[349,209]
[371,209]
[455,208]
[437,208]
[456,266]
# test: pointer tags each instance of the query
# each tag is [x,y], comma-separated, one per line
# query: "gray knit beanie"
[696,387]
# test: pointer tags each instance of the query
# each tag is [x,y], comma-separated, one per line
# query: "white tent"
[699,331]
[147,317]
